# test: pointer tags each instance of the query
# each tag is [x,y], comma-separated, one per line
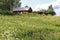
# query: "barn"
[22,9]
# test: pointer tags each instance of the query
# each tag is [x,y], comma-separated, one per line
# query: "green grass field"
[29,27]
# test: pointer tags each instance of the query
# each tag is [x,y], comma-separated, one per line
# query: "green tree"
[1,5]
[50,7]
[19,4]
[51,10]
[9,4]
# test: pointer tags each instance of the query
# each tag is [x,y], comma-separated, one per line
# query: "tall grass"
[29,27]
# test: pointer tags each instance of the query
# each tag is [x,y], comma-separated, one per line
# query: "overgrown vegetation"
[29,27]
[49,11]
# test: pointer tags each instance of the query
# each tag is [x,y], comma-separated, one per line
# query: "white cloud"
[57,12]
[57,7]
[42,6]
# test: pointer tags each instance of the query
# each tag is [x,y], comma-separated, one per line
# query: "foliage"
[6,6]
[29,27]
[6,12]
[9,4]
[43,12]
[1,5]
[50,7]
[51,10]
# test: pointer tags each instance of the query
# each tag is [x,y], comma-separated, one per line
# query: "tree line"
[10,4]
[49,11]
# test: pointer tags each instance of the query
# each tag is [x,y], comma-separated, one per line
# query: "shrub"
[51,12]
[6,12]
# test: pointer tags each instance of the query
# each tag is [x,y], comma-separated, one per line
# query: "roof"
[21,8]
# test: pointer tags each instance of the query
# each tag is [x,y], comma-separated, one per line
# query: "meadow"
[29,27]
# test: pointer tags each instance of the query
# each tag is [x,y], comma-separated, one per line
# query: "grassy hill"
[29,27]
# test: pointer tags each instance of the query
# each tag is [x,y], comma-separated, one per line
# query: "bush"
[51,12]
[6,12]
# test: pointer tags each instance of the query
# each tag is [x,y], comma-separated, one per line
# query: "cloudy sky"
[42,4]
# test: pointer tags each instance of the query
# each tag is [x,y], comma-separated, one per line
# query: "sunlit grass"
[29,27]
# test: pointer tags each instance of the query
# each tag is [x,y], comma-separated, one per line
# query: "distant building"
[22,9]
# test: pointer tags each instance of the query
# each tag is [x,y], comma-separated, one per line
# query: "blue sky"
[42,4]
